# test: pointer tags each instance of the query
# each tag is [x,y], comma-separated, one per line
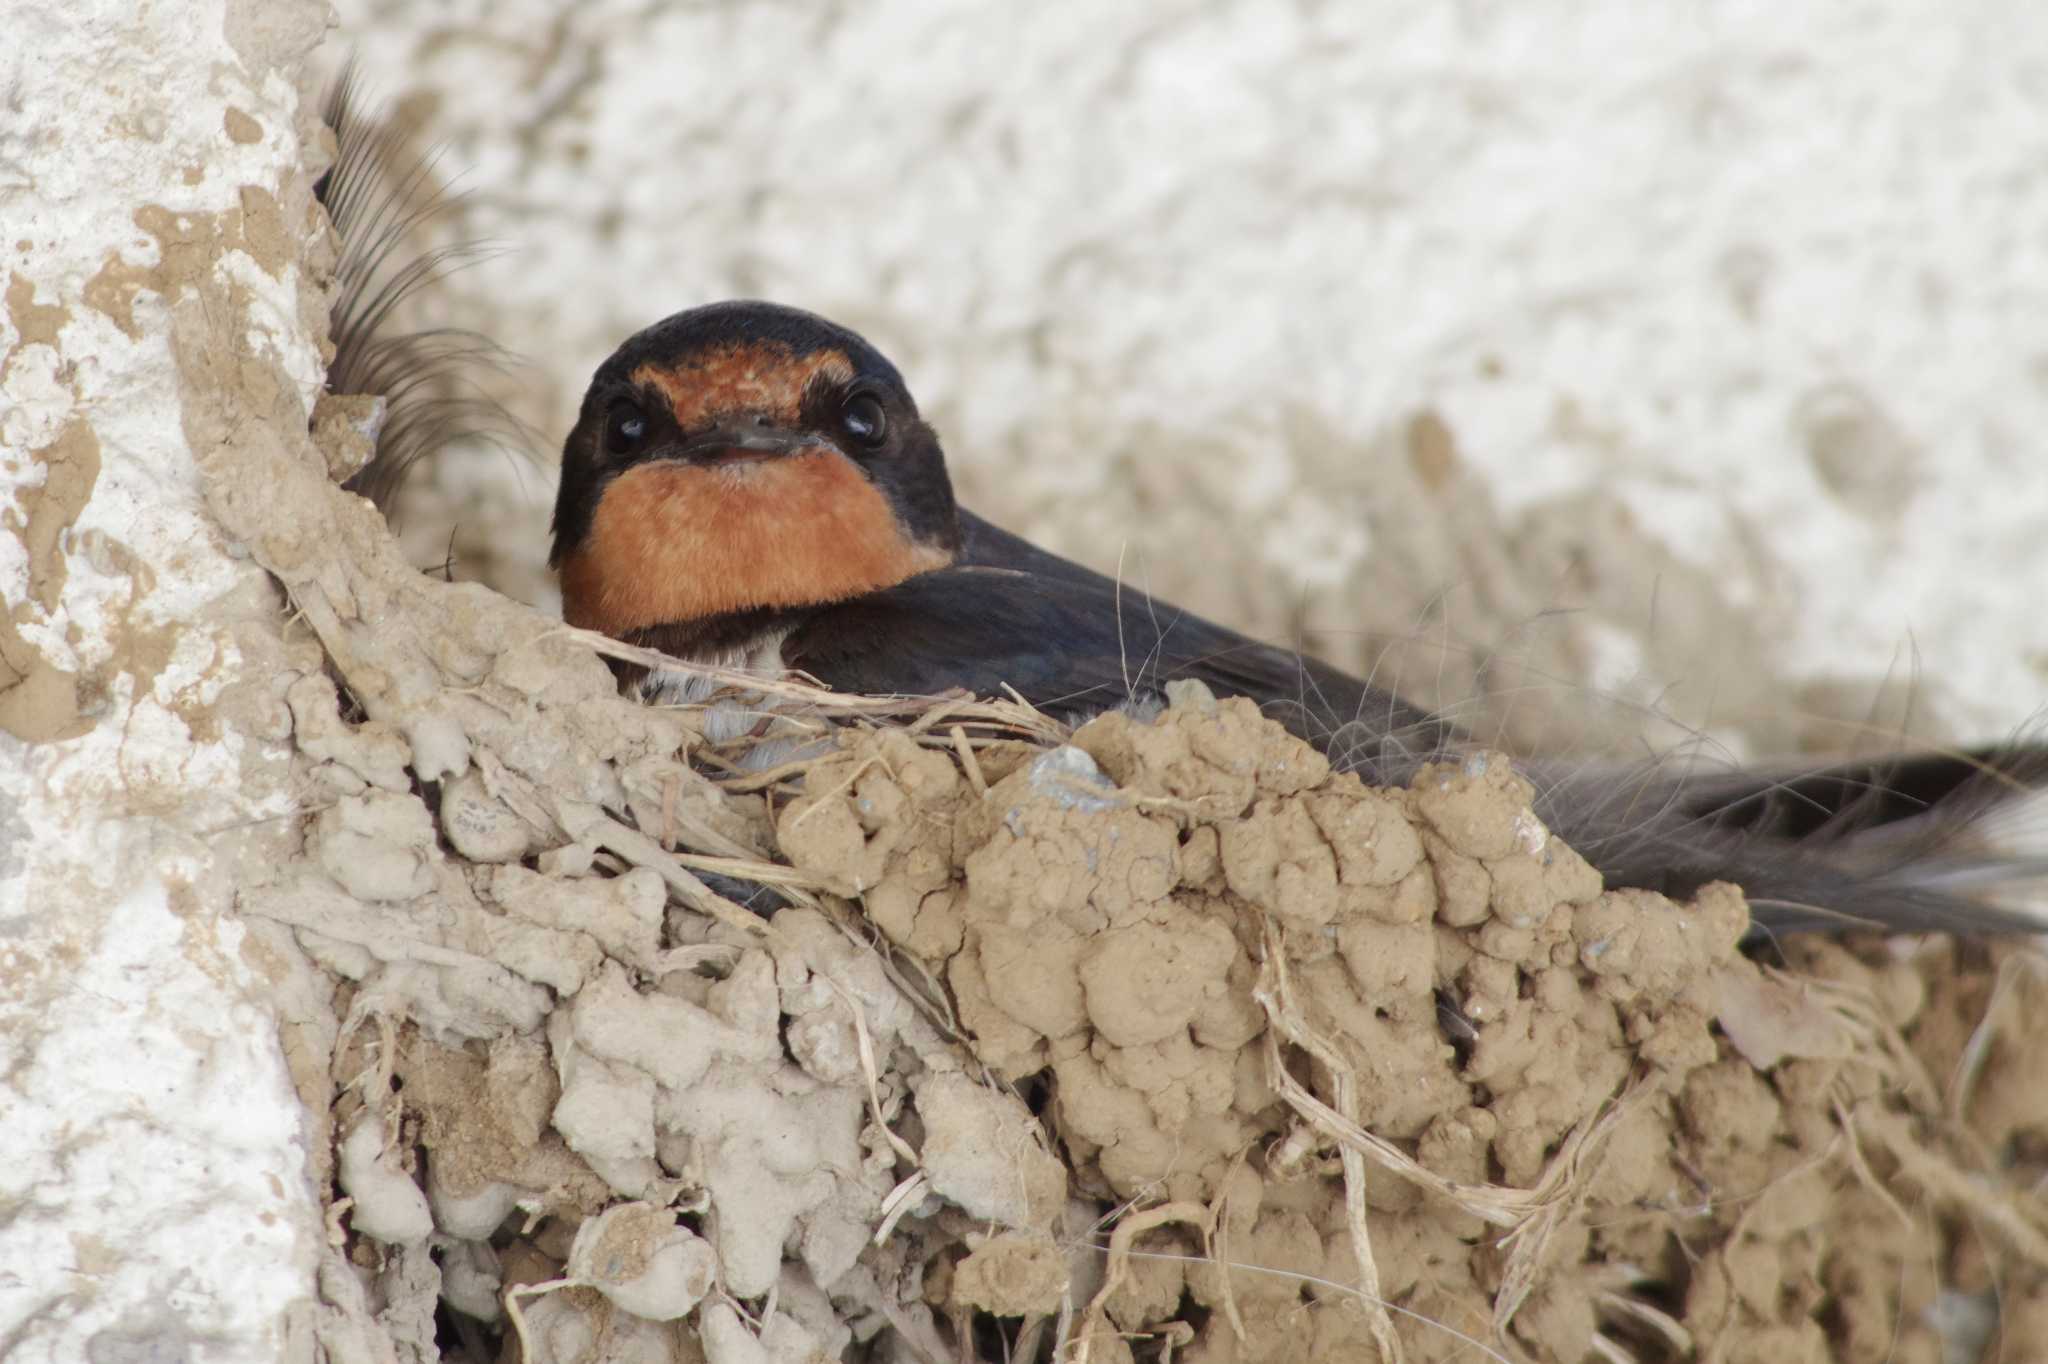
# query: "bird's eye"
[864,419]
[624,428]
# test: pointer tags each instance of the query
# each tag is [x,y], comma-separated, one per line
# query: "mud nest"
[959,1036]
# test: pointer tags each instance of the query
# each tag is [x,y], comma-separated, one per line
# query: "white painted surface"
[151,1155]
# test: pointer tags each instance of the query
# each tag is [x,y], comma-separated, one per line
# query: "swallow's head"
[744,456]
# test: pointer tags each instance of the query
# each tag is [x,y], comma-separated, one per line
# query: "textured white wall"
[153,1161]
[1719,324]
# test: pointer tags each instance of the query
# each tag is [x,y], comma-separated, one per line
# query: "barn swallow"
[751,485]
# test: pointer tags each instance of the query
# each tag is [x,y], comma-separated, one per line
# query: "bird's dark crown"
[739,457]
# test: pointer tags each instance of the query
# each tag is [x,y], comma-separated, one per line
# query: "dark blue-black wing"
[1074,642]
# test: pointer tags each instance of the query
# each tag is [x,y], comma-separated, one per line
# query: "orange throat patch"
[674,543]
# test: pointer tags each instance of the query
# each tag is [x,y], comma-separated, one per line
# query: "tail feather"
[1919,842]
[379,197]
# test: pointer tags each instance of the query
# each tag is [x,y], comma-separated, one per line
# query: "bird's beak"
[743,443]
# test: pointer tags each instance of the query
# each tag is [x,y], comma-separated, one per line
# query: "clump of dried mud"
[1161,1042]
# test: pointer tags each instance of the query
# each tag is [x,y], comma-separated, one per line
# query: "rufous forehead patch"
[749,378]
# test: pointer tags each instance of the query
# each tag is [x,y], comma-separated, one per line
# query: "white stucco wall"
[153,1166]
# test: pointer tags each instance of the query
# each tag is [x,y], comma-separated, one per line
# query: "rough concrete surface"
[154,1194]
